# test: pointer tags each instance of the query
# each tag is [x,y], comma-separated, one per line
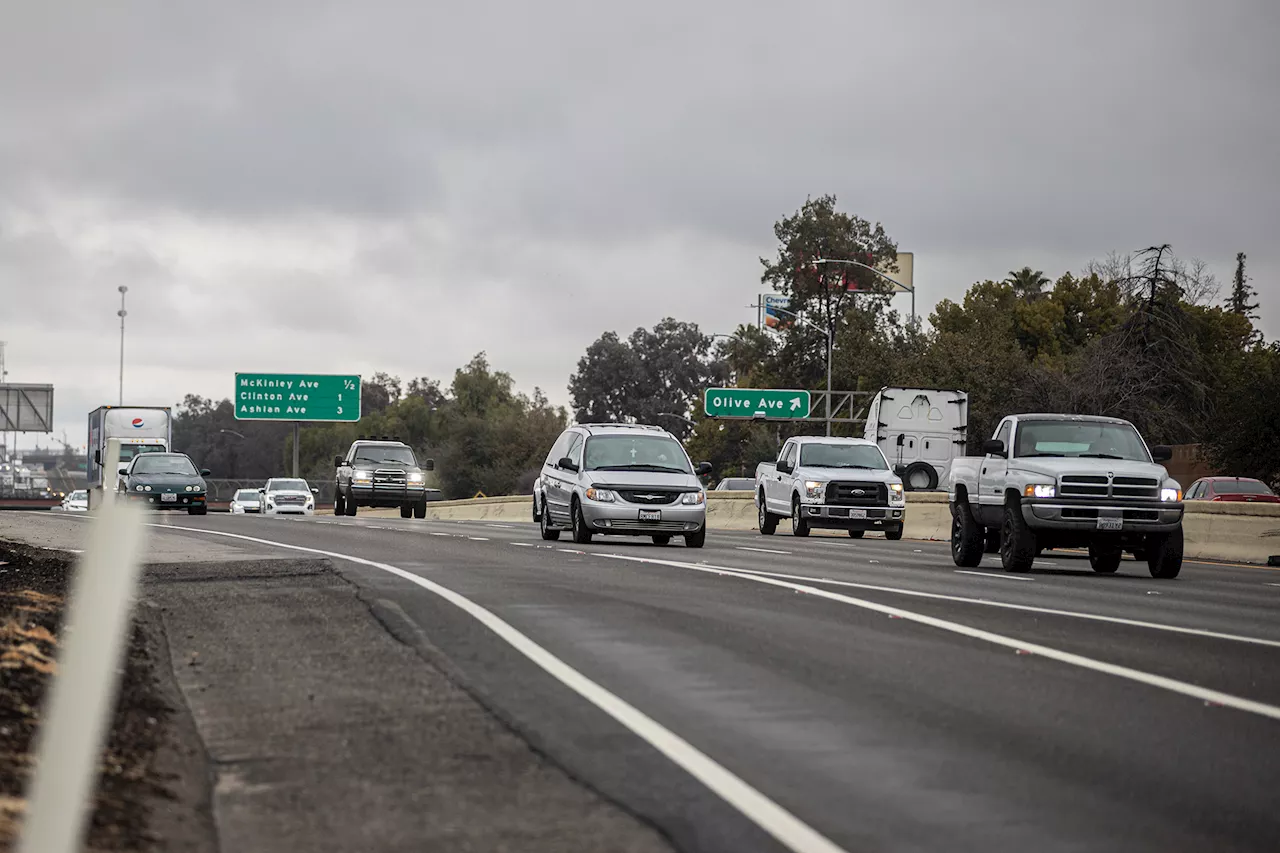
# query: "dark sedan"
[166,481]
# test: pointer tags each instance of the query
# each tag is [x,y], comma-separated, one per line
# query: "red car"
[1231,489]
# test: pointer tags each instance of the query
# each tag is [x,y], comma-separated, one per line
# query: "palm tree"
[1027,283]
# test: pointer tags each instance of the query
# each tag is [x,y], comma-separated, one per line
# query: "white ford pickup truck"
[1064,481]
[842,483]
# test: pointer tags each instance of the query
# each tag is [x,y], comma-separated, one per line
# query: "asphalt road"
[773,693]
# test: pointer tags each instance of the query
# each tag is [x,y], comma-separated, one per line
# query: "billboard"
[902,279]
[26,408]
[774,318]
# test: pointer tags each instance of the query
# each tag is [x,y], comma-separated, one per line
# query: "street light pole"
[678,417]
[122,313]
[830,352]
[883,275]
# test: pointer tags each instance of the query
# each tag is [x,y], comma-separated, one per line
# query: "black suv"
[382,472]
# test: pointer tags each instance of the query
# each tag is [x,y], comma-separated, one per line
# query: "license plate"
[857,513]
[169,498]
[1110,523]
[651,515]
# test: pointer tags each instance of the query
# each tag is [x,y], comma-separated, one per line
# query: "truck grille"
[857,494]
[389,477]
[1098,486]
[289,500]
[649,497]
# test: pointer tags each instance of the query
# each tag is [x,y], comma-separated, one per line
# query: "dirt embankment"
[33,589]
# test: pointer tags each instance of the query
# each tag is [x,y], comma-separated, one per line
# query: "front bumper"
[289,509]
[1102,516]
[154,500]
[368,495]
[624,518]
[853,517]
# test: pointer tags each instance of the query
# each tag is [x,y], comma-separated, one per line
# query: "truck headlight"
[1167,495]
[362,476]
[693,498]
[815,489]
[1040,490]
[416,478]
[604,496]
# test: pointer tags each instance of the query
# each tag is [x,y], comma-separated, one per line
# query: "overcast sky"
[364,186]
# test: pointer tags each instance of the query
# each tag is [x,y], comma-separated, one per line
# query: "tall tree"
[1028,284]
[1241,293]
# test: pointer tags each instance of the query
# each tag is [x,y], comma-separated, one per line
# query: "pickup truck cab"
[1063,481]
[841,483]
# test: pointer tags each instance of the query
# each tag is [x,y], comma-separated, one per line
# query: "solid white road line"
[1160,681]
[992,575]
[761,550]
[789,830]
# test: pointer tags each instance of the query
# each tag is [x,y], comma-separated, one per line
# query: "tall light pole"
[830,350]
[122,313]
[882,274]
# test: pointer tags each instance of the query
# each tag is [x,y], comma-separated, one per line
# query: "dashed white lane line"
[477,539]
[761,550]
[788,829]
[1159,681]
[503,526]
[992,575]
[521,544]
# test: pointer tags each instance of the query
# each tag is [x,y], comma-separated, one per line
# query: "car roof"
[390,442]
[606,429]
[1097,419]
[1232,480]
[830,439]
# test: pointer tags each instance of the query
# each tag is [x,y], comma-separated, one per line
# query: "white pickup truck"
[1064,481]
[841,483]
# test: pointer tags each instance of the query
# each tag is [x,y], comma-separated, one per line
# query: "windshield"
[77,496]
[128,451]
[165,464]
[246,495]
[288,486]
[1080,439]
[866,456]
[1240,487]
[635,453]
[378,455]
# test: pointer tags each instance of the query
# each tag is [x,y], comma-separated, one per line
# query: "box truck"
[922,429]
[141,429]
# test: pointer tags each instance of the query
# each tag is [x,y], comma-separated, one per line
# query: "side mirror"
[122,467]
[902,439]
[1161,453]
[97,458]
[315,491]
[785,467]
[429,465]
[205,472]
[704,468]
[993,447]
[337,462]
[900,470]
[567,464]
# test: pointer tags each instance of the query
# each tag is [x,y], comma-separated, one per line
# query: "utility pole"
[295,449]
[122,313]
[3,379]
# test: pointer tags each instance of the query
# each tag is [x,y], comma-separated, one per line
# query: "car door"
[571,477]
[553,493]
[777,486]
[992,476]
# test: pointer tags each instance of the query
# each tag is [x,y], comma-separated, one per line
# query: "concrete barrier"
[1238,532]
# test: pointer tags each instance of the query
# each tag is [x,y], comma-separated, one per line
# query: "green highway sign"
[756,403]
[296,397]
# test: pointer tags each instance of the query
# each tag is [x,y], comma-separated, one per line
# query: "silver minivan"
[623,479]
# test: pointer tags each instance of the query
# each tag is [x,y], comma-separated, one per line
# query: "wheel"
[920,476]
[893,534]
[198,510]
[696,540]
[967,537]
[1017,542]
[548,535]
[1105,556]
[991,543]
[339,504]
[1164,554]
[765,520]
[420,510]
[349,505]
[856,534]
[661,539]
[799,527]
[581,533]
[406,510]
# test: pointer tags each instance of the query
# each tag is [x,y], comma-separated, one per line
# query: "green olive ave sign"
[770,403]
[296,397]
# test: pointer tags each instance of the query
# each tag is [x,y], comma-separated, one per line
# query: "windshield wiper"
[379,461]
[640,466]
[859,467]
[1100,456]
[1056,455]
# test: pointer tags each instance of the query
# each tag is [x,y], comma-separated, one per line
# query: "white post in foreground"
[81,698]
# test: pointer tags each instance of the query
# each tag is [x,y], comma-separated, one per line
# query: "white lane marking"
[477,539]
[788,829]
[503,526]
[520,544]
[1273,584]
[761,550]
[433,533]
[1160,681]
[992,575]
[569,551]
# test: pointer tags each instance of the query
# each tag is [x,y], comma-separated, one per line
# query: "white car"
[246,500]
[285,495]
[77,501]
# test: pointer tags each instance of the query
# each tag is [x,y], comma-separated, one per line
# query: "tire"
[856,534]
[799,527]
[548,535]
[991,542]
[406,510]
[893,534]
[420,510]
[765,520]
[1105,556]
[1164,554]
[922,472]
[198,510]
[1017,542]
[581,533]
[661,539]
[968,540]
[696,540]
[339,504]
[349,505]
